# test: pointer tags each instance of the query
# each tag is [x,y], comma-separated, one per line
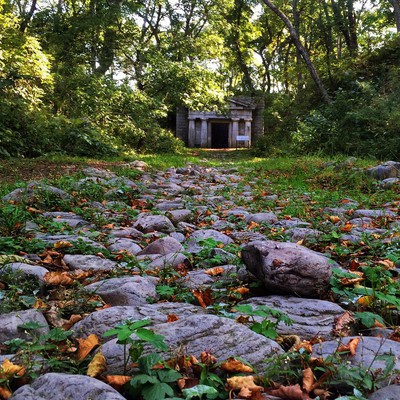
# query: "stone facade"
[242,124]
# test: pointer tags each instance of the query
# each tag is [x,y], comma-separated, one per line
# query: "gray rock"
[125,291]
[389,169]
[71,219]
[86,263]
[297,234]
[10,322]
[125,244]
[162,246]
[288,268]
[52,239]
[101,321]
[193,242]
[390,183]
[373,213]
[99,173]
[34,191]
[368,351]
[180,237]
[196,279]
[179,215]
[137,164]
[169,205]
[170,260]
[149,223]
[246,236]
[26,269]
[223,337]
[121,181]
[292,223]
[259,218]
[391,392]
[56,386]
[311,318]
[126,233]
[361,222]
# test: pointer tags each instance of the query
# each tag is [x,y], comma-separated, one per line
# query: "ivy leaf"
[157,392]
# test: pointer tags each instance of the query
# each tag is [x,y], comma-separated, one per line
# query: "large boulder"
[163,246]
[86,263]
[56,386]
[288,268]
[311,318]
[223,337]
[150,223]
[391,392]
[389,169]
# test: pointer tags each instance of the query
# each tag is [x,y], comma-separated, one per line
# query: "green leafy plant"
[12,219]
[132,335]
[271,319]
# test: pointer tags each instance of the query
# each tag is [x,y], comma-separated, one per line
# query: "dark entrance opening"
[220,135]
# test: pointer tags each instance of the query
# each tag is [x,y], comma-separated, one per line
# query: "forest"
[100,77]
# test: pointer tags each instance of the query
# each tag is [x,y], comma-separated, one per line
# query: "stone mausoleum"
[240,126]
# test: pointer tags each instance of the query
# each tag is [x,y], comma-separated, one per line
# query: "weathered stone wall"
[257,126]
[182,124]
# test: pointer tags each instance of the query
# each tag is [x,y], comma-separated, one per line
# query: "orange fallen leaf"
[97,366]
[234,366]
[334,219]
[39,303]
[238,382]
[9,369]
[305,345]
[204,297]
[349,347]
[292,392]
[5,393]
[117,381]
[388,264]
[347,227]
[214,271]
[252,225]
[343,324]
[73,319]
[58,278]
[87,345]
[62,244]
[207,358]
[365,300]
[241,290]
[242,319]
[245,393]
[308,379]
[187,383]
[172,318]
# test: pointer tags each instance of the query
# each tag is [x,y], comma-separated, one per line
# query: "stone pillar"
[182,124]
[247,129]
[203,133]
[234,132]
[192,133]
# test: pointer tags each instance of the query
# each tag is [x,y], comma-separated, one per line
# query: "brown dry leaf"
[62,244]
[97,366]
[238,382]
[343,324]
[207,358]
[73,319]
[350,347]
[245,393]
[234,366]
[87,345]
[53,318]
[187,383]
[117,381]
[365,300]
[252,225]
[172,318]
[322,393]
[377,324]
[108,226]
[305,344]
[204,297]
[347,227]
[39,303]
[308,379]
[5,393]
[9,369]
[388,264]
[242,319]
[353,281]
[334,219]
[241,290]
[293,392]
[214,271]
[58,278]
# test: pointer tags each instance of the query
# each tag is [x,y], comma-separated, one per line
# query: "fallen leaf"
[62,244]
[242,319]
[366,300]
[308,379]
[204,297]
[117,381]
[234,366]
[322,393]
[214,271]
[292,392]
[305,345]
[238,382]
[187,383]
[388,264]
[334,219]
[207,358]
[172,318]
[349,347]
[73,319]
[39,303]
[97,366]
[53,318]
[252,225]
[347,227]
[245,393]
[5,393]
[343,324]
[58,278]
[87,345]
[9,369]
[241,290]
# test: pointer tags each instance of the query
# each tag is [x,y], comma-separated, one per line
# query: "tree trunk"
[304,54]
[396,12]
[28,17]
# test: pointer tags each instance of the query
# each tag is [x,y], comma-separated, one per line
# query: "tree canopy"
[96,76]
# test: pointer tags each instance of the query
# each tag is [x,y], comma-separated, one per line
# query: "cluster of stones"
[184,208]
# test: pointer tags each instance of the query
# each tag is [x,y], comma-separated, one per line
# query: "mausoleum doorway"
[220,135]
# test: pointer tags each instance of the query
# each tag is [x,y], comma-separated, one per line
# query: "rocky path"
[190,250]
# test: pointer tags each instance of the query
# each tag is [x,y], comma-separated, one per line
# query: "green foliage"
[271,319]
